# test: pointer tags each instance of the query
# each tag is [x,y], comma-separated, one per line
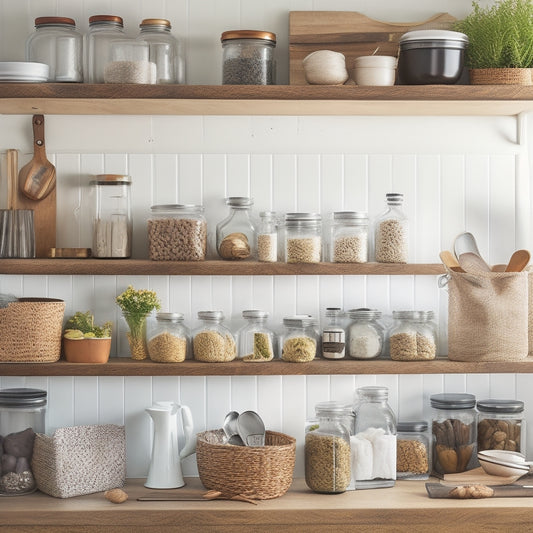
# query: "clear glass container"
[57,43]
[347,418]
[112,226]
[454,429]
[235,234]
[327,451]
[177,233]
[391,240]
[213,342]
[412,337]
[413,457]
[165,50]
[303,238]
[256,340]
[267,237]
[374,442]
[501,425]
[168,338]
[299,339]
[333,335]
[129,62]
[349,237]
[22,415]
[248,57]
[365,333]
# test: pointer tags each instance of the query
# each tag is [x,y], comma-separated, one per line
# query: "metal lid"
[452,400]
[248,34]
[335,311]
[333,406]
[22,397]
[239,201]
[500,406]
[146,23]
[272,214]
[111,179]
[350,215]
[180,208]
[412,315]
[302,219]
[211,315]
[364,313]
[299,321]
[406,427]
[434,35]
[169,317]
[394,198]
[43,21]
[113,19]
[254,313]
[374,392]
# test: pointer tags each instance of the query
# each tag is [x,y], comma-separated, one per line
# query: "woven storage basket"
[260,473]
[30,329]
[500,76]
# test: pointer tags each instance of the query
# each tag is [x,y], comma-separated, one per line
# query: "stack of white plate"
[20,71]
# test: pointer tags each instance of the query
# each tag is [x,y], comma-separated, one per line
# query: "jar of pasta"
[299,339]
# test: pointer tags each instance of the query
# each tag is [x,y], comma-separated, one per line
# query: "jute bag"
[488,316]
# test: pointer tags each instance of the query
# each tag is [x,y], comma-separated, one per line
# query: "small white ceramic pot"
[325,67]
[375,70]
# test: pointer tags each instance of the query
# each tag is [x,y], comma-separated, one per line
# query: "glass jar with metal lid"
[248,57]
[177,232]
[413,457]
[112,227]
[391,240]
[256,340]
[365,333]
[347,415]
[57,43]
[349,237]
[333,335]
[501,425]
[235,234]
[299,340]
[303,238]
[168,338]
[213,342]
[412,337]
[267,237]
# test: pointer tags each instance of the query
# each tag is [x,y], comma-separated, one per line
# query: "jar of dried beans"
[349,237]
[267,237]
[213,341]
[299,339]
[391,239]
[413,336]
[303,238]
[256,340]
[167,338]
[413,450]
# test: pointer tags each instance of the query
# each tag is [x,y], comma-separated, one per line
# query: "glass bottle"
[168,338]
[129,62]
[235,234]
[392,232]
[303,238]
[213,341]
[267,237]
[374,442]
[412,337]
[349,237]
[365,334]
[299,339]
[256,341]
[333,335]
[501,425]
[413,457]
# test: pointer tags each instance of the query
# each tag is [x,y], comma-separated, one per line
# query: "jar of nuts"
[235,234]
[349,237]
[256,341]
[212,341]
[391,240]
[299,339]
[168,338]
[303,238]
[413,450]
[413,336]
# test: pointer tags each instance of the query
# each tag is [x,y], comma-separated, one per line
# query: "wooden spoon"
[518,261]
[450,261]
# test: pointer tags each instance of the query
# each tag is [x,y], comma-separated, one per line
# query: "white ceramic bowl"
[503,463]
[375,70]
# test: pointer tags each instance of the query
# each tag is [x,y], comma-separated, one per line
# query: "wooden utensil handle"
[12,174]
[38,133]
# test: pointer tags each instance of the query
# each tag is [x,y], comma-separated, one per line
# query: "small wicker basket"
[260,473]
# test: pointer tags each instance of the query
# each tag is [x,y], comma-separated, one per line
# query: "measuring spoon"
[251,429]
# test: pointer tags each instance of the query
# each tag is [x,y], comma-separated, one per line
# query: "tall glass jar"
[299,339]
[112,227]
[327,452]
[267,237]
[333,335]
[349,237]
[57,43]
[347,418]
[22,415]
[374,442]
[412,337]
[392,232]
[501,425]
[365,333]
[413,457]
[168,338]
[256,340]
[303,238]
[454,429]
[248,57]
[235,234]
[213,342]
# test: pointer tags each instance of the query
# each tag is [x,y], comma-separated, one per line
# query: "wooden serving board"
[350,33]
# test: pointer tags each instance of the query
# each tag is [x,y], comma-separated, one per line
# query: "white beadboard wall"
[457,173]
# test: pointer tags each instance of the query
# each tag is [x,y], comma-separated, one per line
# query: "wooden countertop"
[405,507]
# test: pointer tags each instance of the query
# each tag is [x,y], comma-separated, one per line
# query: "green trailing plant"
[500,35]
[81,326]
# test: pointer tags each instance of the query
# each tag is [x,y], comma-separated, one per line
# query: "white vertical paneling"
[116,163]
[142,198]
[285,288]
[411,398]
[261,182]
[342,388]
[355,197]
[111,400]
[479,385]
[179,300]
[308,183]
[241,297]
[404,172]
[330,294]
[432,384]
[307,294]
[218,400]
[284,182]
[502,386]
[477,200]
[61,287]
[354,292]
[452,199]
[294,414]
[270,401]
[70,184]
[165,389]
[238,174]
[455,383]
[60,403]
[331,183]
[317,390]
[165,183]
[85,400]
[244,393]
[427,209]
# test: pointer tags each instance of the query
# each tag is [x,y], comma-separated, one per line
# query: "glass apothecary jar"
[256,340]
[347,419]
[391,239]
[177,232]
[22,415]
[303,238]
[213,342]
[365,333]
[412,337]
[168,338]
[334,335]
[235,234]
[299,339]
[413,457]
[454,429]
[501,425]
[267,237]
[349,237]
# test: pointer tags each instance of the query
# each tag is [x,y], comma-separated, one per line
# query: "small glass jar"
[327,451]
[413,457]
[129,62]
[213,342]
[365,334]
[235,234]
[22,415]
[303,238]
[333,335]
[177,233]
[454,429]
[112,227]
[349,237]
[267,237]
[57,43]
[168,338]
[256,341]
[392,232]
[248,57]
[412,337]
[299,339]
[374,442]
[347,418]
[165,50]
[501,425]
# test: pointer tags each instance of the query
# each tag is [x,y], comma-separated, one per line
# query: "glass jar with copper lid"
[248,57]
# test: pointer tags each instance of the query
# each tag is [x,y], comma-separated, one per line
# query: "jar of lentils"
[213,342]
[349,237]
[412,337]
[299,339]
[303,238]
[501,425]
[167,338]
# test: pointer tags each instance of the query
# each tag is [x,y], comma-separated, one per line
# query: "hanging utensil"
[251,429]
[465,243]
[519,260]
[231,429]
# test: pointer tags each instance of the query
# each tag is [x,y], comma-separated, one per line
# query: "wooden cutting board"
[350,33]
[436,490]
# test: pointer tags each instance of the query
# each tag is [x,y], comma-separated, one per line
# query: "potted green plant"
[500,49]
[85,342]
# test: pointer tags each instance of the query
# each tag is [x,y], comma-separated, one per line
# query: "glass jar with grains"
[412,337]
[213,341]
[235,234]
[333,335]
[256,341]
[413,456]
[349,237]
[391,240]
[303,238]
[168,338]
[365,333]
[129,62]
[267,237]
[299,339]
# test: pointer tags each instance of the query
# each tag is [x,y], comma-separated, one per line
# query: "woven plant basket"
[260,473]
[500,76]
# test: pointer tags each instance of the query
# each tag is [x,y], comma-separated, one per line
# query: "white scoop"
[504,463]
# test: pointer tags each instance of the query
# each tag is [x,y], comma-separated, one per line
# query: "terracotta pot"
[87,350]
[500,76]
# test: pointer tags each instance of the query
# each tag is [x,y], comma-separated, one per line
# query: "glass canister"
[365,333]
[327,451]
[168,338]
[177,233]
[22,415]
[112,227]
[454,430]
[299,339]
[267,237]
[412,337]
[57,43]
[333,335]
[256,341]
[303,238]
[129,62]
[213,342]
[349,237]
[374,442]
[235,234]
[413,456]
[248,57]
[347,419]
[501,425]
[392,232]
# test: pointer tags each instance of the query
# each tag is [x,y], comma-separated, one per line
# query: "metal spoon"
[231,429]
[519,260]
[251,428]
[466,243]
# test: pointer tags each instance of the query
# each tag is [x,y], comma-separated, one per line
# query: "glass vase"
[137,334]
